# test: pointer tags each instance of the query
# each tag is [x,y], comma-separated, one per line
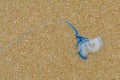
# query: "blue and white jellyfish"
[84,44]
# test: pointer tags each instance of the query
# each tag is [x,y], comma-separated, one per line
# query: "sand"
[34,47]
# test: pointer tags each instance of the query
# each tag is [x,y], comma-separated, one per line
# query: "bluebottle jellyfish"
[84,44]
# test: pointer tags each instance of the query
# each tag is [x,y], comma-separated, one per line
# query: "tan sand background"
[50,52]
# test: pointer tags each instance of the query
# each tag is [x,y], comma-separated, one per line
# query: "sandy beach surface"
[34,46]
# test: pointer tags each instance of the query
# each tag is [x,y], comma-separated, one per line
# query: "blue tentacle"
[79,37]
[73,27]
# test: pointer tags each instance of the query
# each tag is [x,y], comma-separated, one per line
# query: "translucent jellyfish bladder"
[86,45]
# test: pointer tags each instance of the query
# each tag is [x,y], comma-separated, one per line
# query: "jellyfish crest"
[94,45]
